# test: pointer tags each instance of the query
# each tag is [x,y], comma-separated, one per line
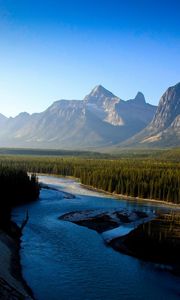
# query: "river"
[64,261]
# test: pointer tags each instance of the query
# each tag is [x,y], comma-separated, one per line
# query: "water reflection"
[62,260]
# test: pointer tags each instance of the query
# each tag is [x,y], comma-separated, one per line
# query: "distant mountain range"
[164,129]
[101,119]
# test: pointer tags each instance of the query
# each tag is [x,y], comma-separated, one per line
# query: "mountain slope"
[164,129]
[101,119]
[3,119]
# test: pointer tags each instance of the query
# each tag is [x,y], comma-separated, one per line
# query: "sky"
[51,50]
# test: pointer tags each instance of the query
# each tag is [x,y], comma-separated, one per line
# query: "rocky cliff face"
[164,129]
[168,109]
[103,103]
[101,119]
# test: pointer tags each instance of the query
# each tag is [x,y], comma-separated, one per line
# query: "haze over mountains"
[101,119]
[164,129]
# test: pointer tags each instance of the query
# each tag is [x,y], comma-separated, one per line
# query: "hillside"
[100,119]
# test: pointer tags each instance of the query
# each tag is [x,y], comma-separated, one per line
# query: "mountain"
[100,119]
[2,119]
[164,129]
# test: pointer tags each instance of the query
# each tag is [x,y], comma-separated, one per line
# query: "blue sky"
[51,50]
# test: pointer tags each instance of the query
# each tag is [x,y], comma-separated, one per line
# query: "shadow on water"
[62,260]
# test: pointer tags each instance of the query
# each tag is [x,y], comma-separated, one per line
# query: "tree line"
[16,187]
[149,178]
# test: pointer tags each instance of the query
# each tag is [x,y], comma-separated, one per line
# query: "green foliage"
[16,187]
[157,154]
[52,152]
[144,178]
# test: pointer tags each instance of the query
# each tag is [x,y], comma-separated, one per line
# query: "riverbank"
[12,284]
[157,240]
[17,188]
[68,256]
[65,194]
[125,197]
[135,233]
[106,221]
[116,196]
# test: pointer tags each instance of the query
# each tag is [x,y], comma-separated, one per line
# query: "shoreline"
[65,194]
[155,241]
[12,284]
[117,196]
[149,238]
[125,197]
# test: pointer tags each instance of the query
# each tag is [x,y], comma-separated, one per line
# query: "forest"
[147,178]
[16,187]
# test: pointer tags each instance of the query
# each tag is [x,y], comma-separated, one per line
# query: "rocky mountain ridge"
[101,119]
[164,129]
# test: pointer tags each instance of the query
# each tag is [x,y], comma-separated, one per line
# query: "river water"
[64,261]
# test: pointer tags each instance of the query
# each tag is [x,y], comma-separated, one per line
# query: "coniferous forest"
[16,187]
[143,178]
